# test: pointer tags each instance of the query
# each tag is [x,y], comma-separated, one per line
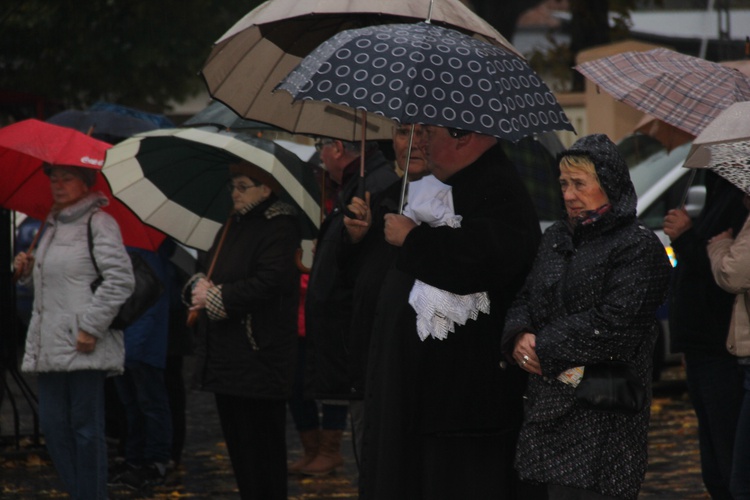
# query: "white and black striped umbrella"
[176,180]
[422,73]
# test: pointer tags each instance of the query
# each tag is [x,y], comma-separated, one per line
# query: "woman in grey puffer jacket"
[592,295]
[69,343]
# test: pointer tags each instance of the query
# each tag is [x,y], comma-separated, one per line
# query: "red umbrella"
[27,145]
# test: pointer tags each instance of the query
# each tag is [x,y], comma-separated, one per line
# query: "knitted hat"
[255,173]
[87,175]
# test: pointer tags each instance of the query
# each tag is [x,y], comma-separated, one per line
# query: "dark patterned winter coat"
[591,296]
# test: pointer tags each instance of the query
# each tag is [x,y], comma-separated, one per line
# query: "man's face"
[417,164]
[329,150]
[438,148]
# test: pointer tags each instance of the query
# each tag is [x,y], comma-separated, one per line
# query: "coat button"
[503,365]
[596,332]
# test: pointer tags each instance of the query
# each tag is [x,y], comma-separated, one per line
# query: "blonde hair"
[580,164]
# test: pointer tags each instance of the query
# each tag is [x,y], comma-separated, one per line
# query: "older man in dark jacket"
[442,416]
[328,305]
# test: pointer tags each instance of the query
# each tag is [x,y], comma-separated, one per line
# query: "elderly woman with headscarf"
[70,343]
[591,297]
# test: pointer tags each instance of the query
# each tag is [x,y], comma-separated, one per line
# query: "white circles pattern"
[422,73]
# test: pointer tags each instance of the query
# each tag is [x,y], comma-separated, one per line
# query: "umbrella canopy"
[731,126]
[684,91]
[252,57]
[105,125]
[27,145]
[176,179]
[219,115]
[731,160]
[157,119]
[421,73]
[668,135]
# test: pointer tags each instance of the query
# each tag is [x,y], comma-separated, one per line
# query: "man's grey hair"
[356,147]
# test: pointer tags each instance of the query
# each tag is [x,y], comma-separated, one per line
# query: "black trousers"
[255,433]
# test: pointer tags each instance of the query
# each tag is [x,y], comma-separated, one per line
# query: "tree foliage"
[140,53]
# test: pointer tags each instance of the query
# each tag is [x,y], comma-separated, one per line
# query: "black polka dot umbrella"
[421,73]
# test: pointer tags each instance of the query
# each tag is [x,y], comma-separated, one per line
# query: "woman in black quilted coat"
[592,295]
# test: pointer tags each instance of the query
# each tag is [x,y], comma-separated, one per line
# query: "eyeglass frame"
[231,186]
[321,143]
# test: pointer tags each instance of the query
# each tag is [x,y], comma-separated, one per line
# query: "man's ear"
[338,148]
[265,191]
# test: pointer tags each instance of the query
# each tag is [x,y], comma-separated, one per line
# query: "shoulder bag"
[148,287]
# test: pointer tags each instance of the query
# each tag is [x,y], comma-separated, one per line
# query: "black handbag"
[148,287]
[612,386]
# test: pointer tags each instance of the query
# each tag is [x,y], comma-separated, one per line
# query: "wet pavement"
[26,473]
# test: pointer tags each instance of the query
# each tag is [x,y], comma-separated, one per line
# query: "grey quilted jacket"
[591,296]
[63,301]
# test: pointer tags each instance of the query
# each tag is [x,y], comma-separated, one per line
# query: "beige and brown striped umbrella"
[252,57]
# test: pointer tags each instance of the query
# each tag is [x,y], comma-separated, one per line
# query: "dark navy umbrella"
[422,73]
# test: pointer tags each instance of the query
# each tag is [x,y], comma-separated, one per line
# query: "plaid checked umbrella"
[684,91]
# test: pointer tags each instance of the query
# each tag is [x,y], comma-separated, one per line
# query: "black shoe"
[117,470]
[144,477]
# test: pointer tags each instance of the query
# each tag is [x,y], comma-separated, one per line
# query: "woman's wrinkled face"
[417,164]
[581,191]
[67,188]
[245,191]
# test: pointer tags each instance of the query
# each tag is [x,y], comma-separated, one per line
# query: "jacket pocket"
[247,323]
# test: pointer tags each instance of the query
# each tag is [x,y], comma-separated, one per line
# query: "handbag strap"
[90,235]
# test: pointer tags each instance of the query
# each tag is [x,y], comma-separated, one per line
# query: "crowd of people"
[437,318]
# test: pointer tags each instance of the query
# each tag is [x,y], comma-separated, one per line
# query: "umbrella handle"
[18,272]
[359,192]
[193,315]
[192,318]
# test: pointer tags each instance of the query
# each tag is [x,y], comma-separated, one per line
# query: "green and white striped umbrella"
[176,180]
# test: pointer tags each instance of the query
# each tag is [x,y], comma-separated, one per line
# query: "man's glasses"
[240,187]
[319,144]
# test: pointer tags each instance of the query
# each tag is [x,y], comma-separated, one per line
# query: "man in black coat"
[442,416]
[699,313]
[328,303]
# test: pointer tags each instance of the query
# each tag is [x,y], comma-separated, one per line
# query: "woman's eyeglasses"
[240,187]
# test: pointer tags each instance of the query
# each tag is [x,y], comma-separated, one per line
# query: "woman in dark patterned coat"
[592,295]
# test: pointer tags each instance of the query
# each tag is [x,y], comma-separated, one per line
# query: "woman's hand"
[358,226]
[525,353]
[199,294]
[85,343]
[397,228]
[23,263]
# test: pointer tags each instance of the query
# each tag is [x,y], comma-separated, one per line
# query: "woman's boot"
[310,446]
[329,455]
